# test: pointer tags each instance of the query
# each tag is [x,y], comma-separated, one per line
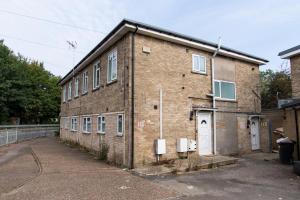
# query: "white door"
[204,133]
[255,138]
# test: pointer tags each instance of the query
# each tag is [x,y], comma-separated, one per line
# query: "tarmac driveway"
[256,176]
[46,169]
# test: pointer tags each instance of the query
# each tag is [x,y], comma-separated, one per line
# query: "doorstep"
[179,166]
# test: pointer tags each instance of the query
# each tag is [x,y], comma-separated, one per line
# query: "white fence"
[14,133]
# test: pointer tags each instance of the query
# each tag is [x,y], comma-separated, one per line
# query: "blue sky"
[259,27]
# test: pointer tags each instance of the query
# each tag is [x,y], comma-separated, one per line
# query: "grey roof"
[289,50]
[161,30]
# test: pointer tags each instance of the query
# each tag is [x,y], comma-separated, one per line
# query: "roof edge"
[290,52]
[160,30]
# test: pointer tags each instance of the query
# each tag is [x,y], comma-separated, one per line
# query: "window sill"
[226,100]
[86,133]
[112,82]
[95,89]
[119,134]
[74,131]
[69,100]
[201,73]
[101,133]
[83,94]
[76,97]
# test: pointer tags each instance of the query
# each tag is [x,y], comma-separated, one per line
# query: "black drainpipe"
[297,132]
[132,97]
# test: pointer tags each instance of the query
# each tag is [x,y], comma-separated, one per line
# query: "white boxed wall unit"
[192,145]
[160,146]
[182,145]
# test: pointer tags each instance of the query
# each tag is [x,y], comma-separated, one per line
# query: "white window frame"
[96,70]
[74,126]
[85,82]
[64,93]
[193,64]
[100,130]
[227,99]
[76,87]
[70,90]
[112,55]
[122,132]
[85,127]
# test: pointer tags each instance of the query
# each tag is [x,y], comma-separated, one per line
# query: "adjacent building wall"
[295,75]
[290,127]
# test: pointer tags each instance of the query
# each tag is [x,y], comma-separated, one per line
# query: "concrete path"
[46,169]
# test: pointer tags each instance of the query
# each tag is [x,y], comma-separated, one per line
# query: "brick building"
[142,88]
[291,121]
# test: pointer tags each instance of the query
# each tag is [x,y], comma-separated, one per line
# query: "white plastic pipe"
[214,95]
[160,114]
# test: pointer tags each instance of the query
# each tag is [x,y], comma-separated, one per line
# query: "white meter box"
[182,145]
[192,145]
[160,146]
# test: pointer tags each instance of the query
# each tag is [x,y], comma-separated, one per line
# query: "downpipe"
[213,95]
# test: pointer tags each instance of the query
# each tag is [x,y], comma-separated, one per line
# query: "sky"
[40,29]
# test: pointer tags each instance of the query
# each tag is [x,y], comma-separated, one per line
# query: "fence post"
[6,136]
[16,134]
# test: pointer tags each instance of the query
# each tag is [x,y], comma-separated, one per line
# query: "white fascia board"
[290,54]
[116,36]
[174,39]
[197,45]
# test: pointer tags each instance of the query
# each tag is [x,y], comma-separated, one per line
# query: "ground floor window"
[101,124]
[120,124]
[87,125]
[74,123]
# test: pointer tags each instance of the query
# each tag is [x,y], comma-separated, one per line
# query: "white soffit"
[290,54]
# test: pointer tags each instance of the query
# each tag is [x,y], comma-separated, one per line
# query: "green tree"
[27,90]
[275,85]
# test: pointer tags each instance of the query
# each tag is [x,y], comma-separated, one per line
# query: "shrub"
[103,152]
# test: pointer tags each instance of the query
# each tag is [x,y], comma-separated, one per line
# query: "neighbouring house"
[292,107]
[151,94]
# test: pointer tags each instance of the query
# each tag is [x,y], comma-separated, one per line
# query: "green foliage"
[27,90]
[275,85]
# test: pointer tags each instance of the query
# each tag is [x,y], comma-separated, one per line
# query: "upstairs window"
[64,93]
[96,75]
[87,125]
[85,82]
[225,90]
[199,64]
[74,123]
[101,124]
[120,125]
[76,86]
[70,91]
[112,67]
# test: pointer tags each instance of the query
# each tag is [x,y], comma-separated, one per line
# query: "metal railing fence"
[14,133]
